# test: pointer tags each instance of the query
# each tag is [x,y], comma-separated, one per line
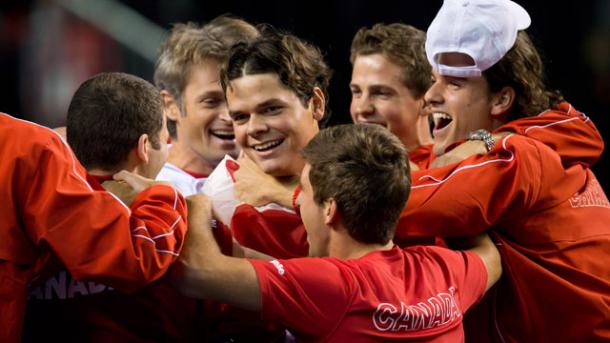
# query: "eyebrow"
[207,94]
[263,104]
[381,86]
[269,102]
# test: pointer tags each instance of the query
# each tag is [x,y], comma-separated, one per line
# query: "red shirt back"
[419,293]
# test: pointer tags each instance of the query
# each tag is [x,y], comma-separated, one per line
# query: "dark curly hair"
[299,65]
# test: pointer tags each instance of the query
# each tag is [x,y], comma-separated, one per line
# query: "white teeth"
[441,119]
[440,115]
[267,145]
[223,134]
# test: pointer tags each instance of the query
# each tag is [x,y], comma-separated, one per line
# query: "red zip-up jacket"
[549,217]
[49,212]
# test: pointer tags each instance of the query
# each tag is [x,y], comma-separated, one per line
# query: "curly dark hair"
[299,65]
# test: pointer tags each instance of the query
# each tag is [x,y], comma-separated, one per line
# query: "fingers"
[137,182]
[128,177]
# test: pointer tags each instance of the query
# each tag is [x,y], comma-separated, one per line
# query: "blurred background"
[48,47]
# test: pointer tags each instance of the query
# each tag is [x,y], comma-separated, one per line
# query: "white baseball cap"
[485,30]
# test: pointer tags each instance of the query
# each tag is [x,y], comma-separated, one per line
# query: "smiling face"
[379,96]
[270,122]
[458,106]
[205,128]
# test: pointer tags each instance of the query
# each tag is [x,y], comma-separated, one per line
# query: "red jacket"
[49,212]
[550,220]
[64,309]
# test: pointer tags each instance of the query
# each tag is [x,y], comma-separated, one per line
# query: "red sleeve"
[224,238]
[569,132]
[470,197]
[308,295]
[275,232]
[95,235]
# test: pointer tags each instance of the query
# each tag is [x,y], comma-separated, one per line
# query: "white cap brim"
[520,14]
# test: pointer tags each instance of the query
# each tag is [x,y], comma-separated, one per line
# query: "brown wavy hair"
[364,168]
[522,69]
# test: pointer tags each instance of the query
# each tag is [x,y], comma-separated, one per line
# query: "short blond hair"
[191,44]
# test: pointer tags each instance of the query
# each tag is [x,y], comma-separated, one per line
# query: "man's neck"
[185,158]
[344,247]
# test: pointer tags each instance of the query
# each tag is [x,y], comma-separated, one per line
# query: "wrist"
[484,136]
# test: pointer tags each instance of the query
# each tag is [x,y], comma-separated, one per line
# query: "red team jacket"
[419,294]
[46,207]
[64,309]
[549,217]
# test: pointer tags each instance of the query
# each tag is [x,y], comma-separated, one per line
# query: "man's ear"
[331,212]
[142,148]
[502,101]
[317,104]
[170,106]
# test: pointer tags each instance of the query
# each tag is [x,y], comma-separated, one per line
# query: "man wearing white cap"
[550,218]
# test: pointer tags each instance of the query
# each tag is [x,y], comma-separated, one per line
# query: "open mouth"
[267,145]
[441,120]
[223,134]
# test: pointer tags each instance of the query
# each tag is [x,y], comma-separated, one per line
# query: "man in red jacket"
[52,217]
[114,123]
[547,210]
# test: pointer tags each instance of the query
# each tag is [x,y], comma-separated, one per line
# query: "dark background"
[43,59]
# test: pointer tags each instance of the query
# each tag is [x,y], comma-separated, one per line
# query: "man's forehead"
[376,70]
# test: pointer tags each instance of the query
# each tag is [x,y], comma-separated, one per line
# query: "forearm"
[225,279]
[204,272]
[485,248]
[244,252]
